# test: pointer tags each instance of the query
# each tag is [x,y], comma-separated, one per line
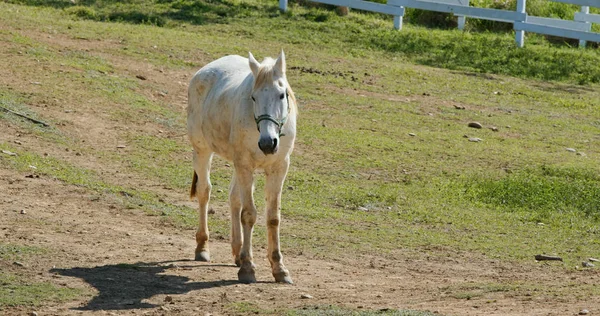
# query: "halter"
[268,117]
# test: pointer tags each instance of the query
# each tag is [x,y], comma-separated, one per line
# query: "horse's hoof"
[283,277]
[203,256]
[246,277]
[246,274]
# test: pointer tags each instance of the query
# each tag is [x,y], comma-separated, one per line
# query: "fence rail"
[578,28]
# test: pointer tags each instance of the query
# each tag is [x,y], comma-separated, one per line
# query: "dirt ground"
[92,240]
[133,263]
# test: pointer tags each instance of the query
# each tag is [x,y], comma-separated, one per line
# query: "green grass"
[12,252]
[16,291]
[544,191]
[483,52]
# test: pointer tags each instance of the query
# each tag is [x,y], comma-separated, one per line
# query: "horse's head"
[271,102]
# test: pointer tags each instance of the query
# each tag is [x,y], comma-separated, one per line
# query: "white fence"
[579,28]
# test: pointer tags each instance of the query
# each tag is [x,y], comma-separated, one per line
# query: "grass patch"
[469,291]
[11,252]
[16,102]
[543,191]
[354,35]
[15,291]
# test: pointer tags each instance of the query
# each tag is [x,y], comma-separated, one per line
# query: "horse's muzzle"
[268,145]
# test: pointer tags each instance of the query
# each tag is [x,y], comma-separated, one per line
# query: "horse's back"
[212,94]
[226,70]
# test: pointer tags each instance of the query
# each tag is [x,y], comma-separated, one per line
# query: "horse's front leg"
[275,177]
[245,185]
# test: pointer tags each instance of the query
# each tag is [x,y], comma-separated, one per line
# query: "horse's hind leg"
[235,204]
[275,177]
[202,160]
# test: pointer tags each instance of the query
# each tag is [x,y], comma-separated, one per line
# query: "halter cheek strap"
[267,117]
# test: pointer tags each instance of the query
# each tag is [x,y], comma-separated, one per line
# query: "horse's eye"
[253,100]
[281,96]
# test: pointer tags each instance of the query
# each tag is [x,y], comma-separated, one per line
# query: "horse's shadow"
[126,286]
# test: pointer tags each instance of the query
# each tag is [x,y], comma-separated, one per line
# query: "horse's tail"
[194,183]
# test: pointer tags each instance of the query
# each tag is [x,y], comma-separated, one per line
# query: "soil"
[133,263]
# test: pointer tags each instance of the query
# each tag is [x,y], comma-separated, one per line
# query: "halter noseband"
[268,117]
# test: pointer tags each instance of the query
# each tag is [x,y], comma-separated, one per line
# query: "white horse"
[245,112]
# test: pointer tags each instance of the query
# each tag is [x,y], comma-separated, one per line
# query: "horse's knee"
[273,223]
[248,216]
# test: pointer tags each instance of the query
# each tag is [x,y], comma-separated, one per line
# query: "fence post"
[461,22]
[520,35]
[584,10]
[283,5]
[398,22]
[461,18]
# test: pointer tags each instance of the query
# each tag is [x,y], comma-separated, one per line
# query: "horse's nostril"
[274,143]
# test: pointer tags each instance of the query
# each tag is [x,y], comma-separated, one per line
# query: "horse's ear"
[254,65]
[280,63]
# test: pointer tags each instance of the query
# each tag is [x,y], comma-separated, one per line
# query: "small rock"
[459,107]
[291,188]
[586,264]
[593,260]
[219,190]
[23,212]
[33,314]
[168,298]
[475,139]
[127,234]
[412,134]
[364,209]
[17,263]
[120,146]
[581,154]
[211,210]
[494,129]
[584,312]
[141,77]
[10,153]
[164,308]
[32,167]
[475,125]
[571,150]
[306,296]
